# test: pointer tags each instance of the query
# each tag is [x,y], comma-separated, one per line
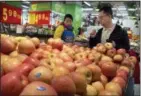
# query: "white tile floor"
[137,90]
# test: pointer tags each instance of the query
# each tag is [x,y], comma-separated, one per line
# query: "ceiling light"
[87,3]
[87,9]
[25,6]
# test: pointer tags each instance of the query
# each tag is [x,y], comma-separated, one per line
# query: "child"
[65,29]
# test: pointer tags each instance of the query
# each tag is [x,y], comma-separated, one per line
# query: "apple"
[7,45]
[91,91]
[95,57]
[101,48]
[80,82]
[24,69]
[121,51]
[108,93]
[60,70]
[57,44]
[63,85]
[40,73]
[38,88]
[57,61]
[50,41]
[14,54]
[3,58]
[56,51]
[36,41]
[11,64]
[96,72]
[46,63]
[124,68]
[86,72]
[113,87]
[122,73]
[26,46]
[106,58]
[111,52]
[128,63]
[109,69]
[120,81]
[70,66]
[108,45]
[103,79]
[32,61]
[78,63]
[133,59]
[65,57]
[12,84]
[98,86]
[37,55]
[21,57]
[118,58]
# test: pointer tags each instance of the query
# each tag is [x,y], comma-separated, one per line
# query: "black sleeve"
[94,40]
[125,41]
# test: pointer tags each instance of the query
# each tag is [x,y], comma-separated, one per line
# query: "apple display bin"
[129,90]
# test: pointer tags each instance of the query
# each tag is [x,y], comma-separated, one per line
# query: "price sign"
[39,18]
[10,14]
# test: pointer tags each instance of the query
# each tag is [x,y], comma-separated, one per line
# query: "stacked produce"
[54,68]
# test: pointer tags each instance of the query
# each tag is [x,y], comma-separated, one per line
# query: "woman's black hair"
[106,8]
[68,16]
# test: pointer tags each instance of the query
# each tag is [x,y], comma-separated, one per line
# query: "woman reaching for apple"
[65,29]
[110,32]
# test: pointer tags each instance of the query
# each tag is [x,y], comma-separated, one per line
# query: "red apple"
[50,41]
[91,91]
[37,55]
[32,61]
[46,63]
[111,52]
[78,63]
[128,63]
[118,58]
[121,51]
[11,64]
[12,84]
[108,93]
[106,58]
[24,69]
[38,88]
[64,85]
[57,61]
[120,81]
[124,68]
[98,86]
[109,69]
[108,45]
[36,41]
[14,54]
[60,70]
[65,57]
[133,59]
[101,48]
[57,44]
[96,72]
[26,46]
[113,87]
[70,66]
[122,74]
[86,72]
[56,51]
[7,45]
[103,79]
[40,73]
[80,82]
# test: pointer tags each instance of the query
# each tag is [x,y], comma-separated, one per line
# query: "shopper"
[65,29]
[110,32]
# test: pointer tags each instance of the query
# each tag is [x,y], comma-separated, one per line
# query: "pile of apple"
[53,68]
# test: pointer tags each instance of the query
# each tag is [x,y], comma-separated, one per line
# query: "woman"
[65,29]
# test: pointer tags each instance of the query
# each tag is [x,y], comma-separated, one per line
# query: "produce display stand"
[129,90]
[83,43]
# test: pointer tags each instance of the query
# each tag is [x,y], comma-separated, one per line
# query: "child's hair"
[68,16]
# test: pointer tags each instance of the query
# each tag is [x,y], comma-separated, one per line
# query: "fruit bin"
[53,63]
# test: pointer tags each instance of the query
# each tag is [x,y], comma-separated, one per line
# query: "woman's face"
[68,22]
